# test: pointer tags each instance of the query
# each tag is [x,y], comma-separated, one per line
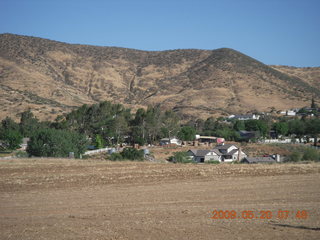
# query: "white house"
[291,113]
[221,153]
[204,155]
[230,152]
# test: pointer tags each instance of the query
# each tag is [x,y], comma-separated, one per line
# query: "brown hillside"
[52,78]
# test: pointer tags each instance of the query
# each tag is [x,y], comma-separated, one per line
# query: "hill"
[52,78]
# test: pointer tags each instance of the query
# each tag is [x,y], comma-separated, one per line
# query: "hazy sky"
[285,32]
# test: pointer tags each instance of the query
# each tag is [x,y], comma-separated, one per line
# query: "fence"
[101,150]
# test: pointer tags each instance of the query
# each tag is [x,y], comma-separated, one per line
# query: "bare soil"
[91,199]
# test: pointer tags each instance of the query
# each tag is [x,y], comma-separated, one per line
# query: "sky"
[276,32]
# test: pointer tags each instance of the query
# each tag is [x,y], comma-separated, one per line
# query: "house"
[167,141]
[229,152]
[221,153]
[245,117]
[252,160]
[204,155]
[291,113]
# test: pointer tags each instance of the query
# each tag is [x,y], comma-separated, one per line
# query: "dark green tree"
[257,125]
[9,134]
[11,138]
[239,125]
[187,133]
[56,143]
[313,129]
[297,127]
[313,104]
[28,123]
[281,128]
[132,154]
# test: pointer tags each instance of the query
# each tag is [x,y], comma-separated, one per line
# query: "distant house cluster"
[221,153]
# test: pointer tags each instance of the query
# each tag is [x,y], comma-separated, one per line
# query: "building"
[221,153]
[201,156]
[230,152]
[245,117]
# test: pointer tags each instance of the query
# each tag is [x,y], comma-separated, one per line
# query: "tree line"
[108,124]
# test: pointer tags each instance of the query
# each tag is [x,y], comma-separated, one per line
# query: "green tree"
[227,133]
[138,127]
[11,138]
[313,129]
[257,125]
[153,124]
[9,134]
[8,123]
[297,127]
[281,128]
[56,143]
[28,123]
[98,142]
[132,154]
[239,125]
[187,133]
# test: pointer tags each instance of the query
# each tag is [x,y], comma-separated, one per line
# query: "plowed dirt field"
[91,199]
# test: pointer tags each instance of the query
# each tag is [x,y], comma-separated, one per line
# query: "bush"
[132,154]
[213,162]
[115,157]
[22,154]
[180,157]
[295,157]
[311,154]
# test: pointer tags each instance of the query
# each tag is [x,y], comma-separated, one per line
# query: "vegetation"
[110,124]
[304,154]
[115,157]
[132,154]
[49,142]
[10,135]
[180,157]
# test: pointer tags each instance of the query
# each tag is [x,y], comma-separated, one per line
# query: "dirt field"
[89,199]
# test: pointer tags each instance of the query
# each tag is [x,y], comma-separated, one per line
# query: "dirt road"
[88,199]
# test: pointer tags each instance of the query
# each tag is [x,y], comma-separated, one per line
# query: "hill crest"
[53,77]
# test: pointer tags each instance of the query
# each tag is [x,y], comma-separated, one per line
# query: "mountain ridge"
[52,77]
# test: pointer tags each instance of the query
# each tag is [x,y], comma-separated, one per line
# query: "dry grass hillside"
[53,77]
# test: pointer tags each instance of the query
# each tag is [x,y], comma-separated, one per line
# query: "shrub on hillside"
[115,157]
[180,157]
[311,154]
[295,157]
[132,154]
